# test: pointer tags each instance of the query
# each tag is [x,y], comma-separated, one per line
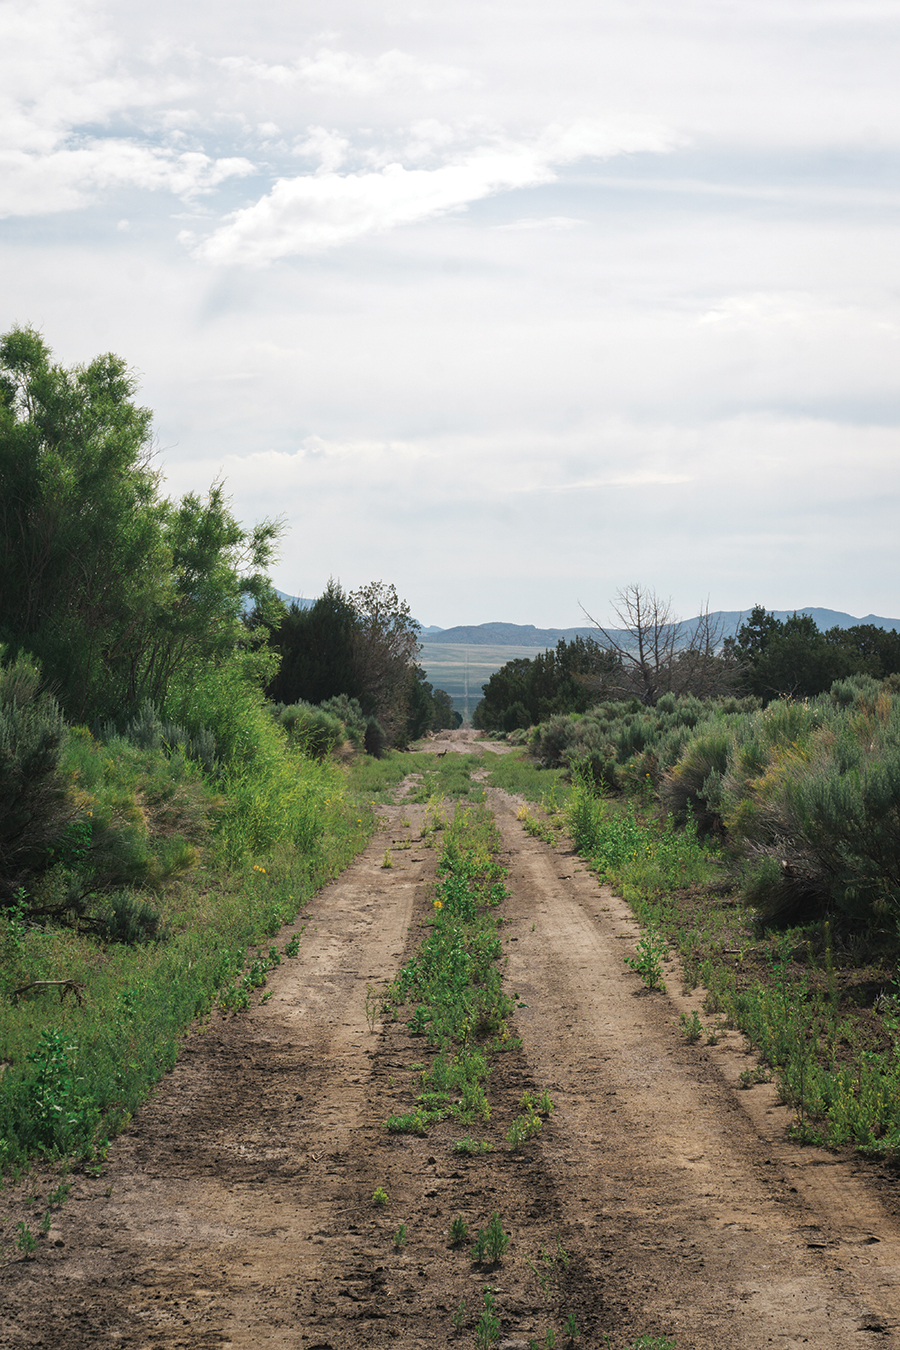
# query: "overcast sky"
[508,302]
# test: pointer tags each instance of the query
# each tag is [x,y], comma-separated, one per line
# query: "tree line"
[652,654]
[125,598]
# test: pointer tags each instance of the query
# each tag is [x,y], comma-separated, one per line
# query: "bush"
[33,809]
[314,731]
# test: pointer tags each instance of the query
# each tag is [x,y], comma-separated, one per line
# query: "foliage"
[360,649]
[487,1329]
[527,691]
[112,588]
[490,1242]
[316,649]
[791,658]
[452,987]
[647,961]
[315,731]
[147,942]
[33,809]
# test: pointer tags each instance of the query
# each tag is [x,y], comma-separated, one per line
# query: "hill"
[728,620]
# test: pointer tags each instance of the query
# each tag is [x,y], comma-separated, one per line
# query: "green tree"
[112,587]
[385,652]
[527,691]
[316,645]
[791,658]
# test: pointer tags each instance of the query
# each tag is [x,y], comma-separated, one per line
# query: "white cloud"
[543,223]
[309,214]
[328,147]
[72,176]
[347,73]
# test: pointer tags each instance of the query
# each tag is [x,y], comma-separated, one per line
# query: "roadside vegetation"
[168,798]
[760,841]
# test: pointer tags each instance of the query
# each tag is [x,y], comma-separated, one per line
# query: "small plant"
[472,1147]
[387,860]
[401,1237]
[652,1343]
[380,1197]
[459,1231]
[46,1222]
[26,1241]
[458,1318]
[750,1077]
[490,1242]
[60,1194]
[487,1330]
[542,1104]
[522,1128]
[648,958]
[692,1027]
[572,1327]
[293,946]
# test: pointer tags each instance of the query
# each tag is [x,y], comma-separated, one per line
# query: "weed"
[487,1330]
[472,1147]
[293,947]
[490,1242]
[380,1197]
[750,1077]
[413,1122]
[522,1128]
[459,1231]
[542,1104]
[549,1269]
[648,958]
[60,1194]
[401,1237]
[387,860]
[692,1027]
[46,1222]
[652,1343]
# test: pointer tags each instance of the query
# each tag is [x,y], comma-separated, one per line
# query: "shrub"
[33,809]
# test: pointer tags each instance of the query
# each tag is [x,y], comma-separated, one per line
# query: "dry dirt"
[237,1210]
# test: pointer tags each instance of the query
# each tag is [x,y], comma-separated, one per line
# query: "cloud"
[543,223]
[308,214]
[340,72]
[72,176]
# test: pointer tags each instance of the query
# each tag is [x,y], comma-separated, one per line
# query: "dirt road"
[237,1211]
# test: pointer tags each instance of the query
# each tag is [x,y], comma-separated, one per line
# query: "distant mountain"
[728,622]
[297,600]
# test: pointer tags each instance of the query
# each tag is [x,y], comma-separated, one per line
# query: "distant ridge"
[727,620]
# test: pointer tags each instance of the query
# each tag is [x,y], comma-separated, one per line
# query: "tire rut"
[704,1223]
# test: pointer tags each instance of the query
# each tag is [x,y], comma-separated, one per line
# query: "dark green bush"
[318,733]
[33,808]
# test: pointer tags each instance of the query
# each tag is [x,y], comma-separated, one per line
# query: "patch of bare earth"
[237,1211]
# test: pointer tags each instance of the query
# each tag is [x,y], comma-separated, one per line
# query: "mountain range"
[727,621]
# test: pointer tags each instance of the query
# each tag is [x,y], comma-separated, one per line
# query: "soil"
[237,1210]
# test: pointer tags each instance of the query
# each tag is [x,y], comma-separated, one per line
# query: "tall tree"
[114,588]
[385,651]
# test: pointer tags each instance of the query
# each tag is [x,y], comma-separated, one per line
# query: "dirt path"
[237,1211]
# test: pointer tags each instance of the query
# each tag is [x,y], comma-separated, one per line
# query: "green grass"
[808,1010]
[519,775]
[161,837]
[451,991]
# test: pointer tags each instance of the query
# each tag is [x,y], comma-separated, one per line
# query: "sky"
[509,303]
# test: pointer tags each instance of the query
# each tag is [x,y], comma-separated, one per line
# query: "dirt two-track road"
[237,1210]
